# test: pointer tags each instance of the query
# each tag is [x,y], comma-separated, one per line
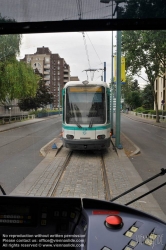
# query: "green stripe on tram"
[87,128]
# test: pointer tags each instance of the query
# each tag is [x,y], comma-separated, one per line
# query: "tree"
[133,100]
[131,93]
[141,9]
[145,49]
[9,44]
[17,80]
[40,100]
[147,97]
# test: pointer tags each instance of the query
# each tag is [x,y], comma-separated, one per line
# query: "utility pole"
[59,97]
[118,92]
[118,76]
[104,71]
[112,96]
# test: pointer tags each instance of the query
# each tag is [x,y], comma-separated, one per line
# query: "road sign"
[123,74]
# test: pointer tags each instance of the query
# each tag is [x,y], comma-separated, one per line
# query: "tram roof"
[80,83]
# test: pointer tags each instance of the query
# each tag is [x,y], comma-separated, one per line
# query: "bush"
[139,110]
[152,112]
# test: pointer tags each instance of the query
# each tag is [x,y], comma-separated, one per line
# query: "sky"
[81,50]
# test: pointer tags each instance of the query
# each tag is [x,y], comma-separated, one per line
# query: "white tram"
[86,115]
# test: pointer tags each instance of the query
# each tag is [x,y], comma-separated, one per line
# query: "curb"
[137,151]
[52,152]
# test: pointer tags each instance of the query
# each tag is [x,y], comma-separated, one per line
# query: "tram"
[86,115]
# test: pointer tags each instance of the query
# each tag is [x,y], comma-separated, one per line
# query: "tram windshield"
[85,105]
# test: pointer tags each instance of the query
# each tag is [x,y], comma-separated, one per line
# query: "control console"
[75,223]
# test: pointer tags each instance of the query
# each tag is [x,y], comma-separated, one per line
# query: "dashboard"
[75,223]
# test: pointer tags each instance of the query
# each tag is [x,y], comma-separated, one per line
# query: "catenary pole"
[118,91]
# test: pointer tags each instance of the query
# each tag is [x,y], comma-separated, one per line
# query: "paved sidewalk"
[121,174]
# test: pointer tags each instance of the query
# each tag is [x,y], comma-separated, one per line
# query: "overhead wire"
[79,8]
[96,54]
[90,11]
[94,48]
[80,14]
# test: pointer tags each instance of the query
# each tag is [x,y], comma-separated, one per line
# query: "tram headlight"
[70,137]
[101,137]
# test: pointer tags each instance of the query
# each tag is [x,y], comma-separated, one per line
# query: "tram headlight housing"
[85,82]
[101,137]
[70,137]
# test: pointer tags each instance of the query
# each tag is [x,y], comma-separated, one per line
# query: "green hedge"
[44,113]
[140,110]
[151,112]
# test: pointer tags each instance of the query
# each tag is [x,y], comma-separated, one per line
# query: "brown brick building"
[55,70]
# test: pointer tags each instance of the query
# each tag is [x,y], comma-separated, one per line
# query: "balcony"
[46,66]
[46,78]
[65,81]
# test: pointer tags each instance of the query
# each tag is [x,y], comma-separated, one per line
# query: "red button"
[113,221]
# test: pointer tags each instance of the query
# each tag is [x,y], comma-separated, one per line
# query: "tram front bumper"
[86,144]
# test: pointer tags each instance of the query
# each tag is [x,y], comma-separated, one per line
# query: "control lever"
[163,171]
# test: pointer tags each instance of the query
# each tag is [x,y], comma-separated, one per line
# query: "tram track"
[65,164]
[92,183]
[105,179]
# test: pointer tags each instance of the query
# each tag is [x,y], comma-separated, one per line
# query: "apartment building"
[160,89]
[55,71]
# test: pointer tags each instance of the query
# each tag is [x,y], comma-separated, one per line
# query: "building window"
[28,60]
[156,84]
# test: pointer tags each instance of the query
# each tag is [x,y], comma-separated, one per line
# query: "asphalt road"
[152,143]
[20,150]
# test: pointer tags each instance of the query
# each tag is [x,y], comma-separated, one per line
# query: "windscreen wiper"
[91,123]
[78,125]
[163,171]
[2,190]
